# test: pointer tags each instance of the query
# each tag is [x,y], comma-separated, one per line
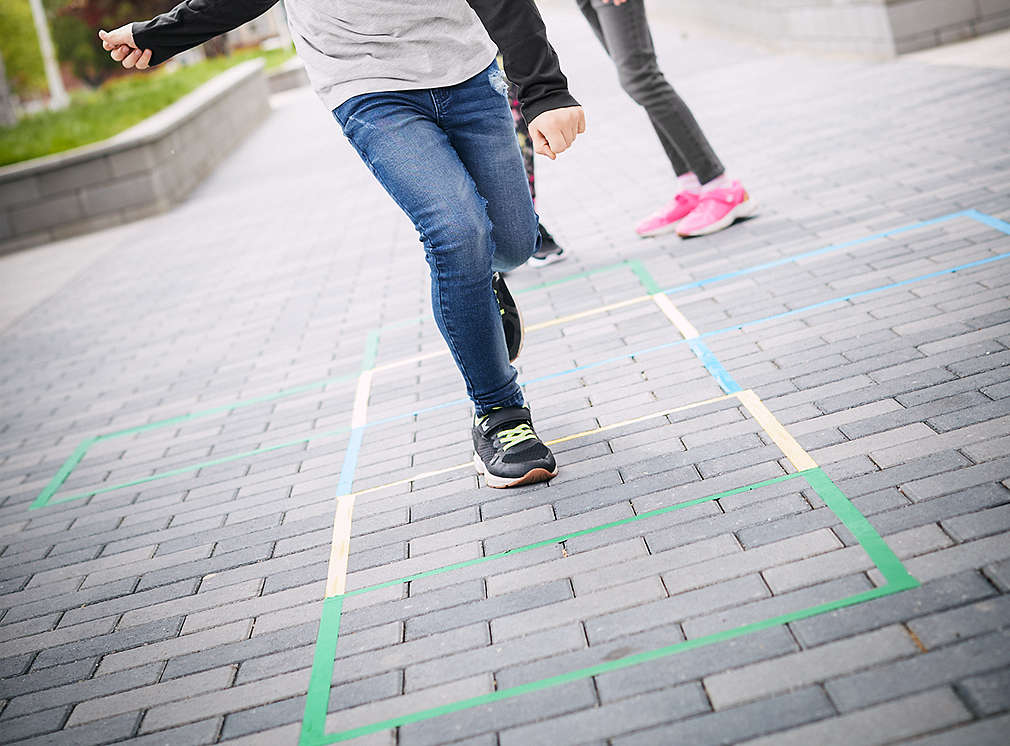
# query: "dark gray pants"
[624,32]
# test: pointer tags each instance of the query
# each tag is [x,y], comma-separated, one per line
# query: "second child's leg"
[707,200]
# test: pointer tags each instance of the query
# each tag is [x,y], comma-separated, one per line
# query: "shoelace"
[515,435]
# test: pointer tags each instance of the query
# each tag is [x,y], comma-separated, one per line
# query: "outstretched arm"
[554,117]
[188,24]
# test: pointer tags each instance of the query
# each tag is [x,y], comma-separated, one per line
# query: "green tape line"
[599,668]
[897,577]
[575,534]
[368,360]
[317,701]
[887,562]
[61,476]
[188,468]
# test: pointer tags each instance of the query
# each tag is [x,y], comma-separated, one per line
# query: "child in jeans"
[418,93]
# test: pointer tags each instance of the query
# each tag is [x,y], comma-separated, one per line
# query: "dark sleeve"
[530,61]
[193,22]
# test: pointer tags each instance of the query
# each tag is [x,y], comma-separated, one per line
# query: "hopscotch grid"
[46,497]
[896,577]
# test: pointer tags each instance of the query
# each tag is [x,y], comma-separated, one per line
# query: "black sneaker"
[510,317]
[549,251]
[507,450]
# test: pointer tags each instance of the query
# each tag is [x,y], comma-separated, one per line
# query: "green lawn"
[116,106]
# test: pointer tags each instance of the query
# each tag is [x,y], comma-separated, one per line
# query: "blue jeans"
[450,160]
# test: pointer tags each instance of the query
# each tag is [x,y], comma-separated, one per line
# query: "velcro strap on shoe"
[498,417]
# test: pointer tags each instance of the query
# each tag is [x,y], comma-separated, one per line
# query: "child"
[418,93]
[707,200]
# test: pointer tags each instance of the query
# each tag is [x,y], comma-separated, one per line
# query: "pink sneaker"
[666,219]
[718,209]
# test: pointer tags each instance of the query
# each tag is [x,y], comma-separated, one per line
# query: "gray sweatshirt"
[352,47]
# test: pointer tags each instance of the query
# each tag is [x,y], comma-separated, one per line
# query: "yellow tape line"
[685,327]
[786,442]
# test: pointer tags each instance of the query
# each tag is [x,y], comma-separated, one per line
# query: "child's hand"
[119,43]
[554,131]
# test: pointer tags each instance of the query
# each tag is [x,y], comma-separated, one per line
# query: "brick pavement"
[824,560]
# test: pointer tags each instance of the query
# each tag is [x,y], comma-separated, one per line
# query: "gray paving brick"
[493,657]
[195,734]
[989,732]
[958,558]
[141,697]
[121,603]
[988,694]
[565,566]
[885,723]
[999,574]
[612,719]
[359,664]
[675,609]
[46,678]
[983,411]
[184,663]
[951,625]
[909,543]
[944,665]
[175,647]
[536,597]
[202,706]
[74,692]
[32,628]
[768,608]
[584,605]
[930,597]
[833,659]
[675,559]
[506,713]
[25,726]
[976,525]
[745,563]
[211,567]
[99,644]
[739,723]
[945,483]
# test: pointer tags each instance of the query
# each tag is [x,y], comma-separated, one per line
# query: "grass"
[116,106]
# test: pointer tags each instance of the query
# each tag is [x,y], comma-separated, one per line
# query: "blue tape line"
[974,214]
[989,220]
[860,294]
[714,367]
[724,330]
[350,461]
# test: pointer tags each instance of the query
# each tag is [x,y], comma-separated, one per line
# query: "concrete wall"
[875,29]
[141,171]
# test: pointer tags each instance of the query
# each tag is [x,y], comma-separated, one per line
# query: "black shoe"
[511,320]
[549,251]
[507,450]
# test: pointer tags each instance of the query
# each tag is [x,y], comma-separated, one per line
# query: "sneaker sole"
[531,477]
[746,209]
[534,261]
[668,228]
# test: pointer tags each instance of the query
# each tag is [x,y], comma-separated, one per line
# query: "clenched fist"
[554,131]
[120,45]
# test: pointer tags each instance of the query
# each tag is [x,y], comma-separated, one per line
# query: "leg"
[399,138]
[625,33]
[481,129]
